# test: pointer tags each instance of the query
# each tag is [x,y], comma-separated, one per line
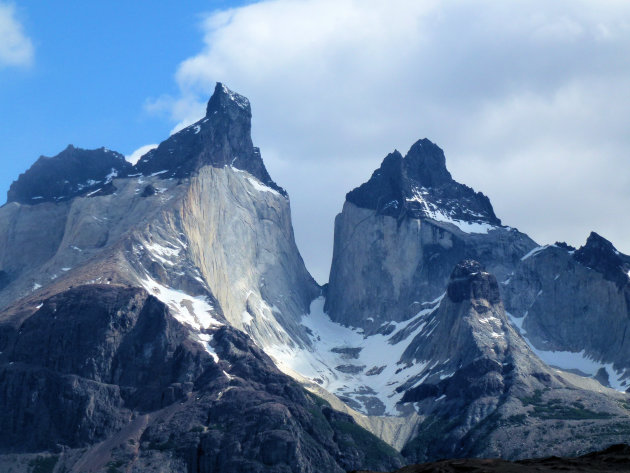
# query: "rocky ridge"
[573,307]
[71,173]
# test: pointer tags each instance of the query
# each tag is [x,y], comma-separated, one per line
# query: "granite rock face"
[576,302]
[401,233]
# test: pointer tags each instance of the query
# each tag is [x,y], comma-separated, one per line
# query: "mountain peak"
[470,281]
[419,186]
[224,99]
[425,162]
[599,254]
[221,138]
[72,172]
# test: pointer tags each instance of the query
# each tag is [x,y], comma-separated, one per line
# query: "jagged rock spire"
[221,138]
[419,186]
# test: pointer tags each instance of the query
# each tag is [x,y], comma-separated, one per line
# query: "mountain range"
[159,317]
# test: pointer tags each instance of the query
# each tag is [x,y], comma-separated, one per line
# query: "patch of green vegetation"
[168,445]
[43,464]
[375,449]
[516,419]
[219,427]
[321,402]
[482,431]
[112,467]
[197,429]
[533,400]
[556,409]
[319,422]
[431,432]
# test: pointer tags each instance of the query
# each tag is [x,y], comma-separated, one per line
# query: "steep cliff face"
[241,239]
[401,233]
[573,306]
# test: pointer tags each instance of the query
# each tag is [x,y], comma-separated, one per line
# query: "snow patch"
[376,351]
[112,174]
[162,253]
[90,194]
[239,100]
[576,361]
[535,251]
[583,363]
[246,318]
[205,339]
[259,186]
[435,213]
[194,311]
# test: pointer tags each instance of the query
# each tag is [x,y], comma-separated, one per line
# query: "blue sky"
[529,98]
[93,69]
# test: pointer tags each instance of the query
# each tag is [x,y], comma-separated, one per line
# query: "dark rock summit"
[420,186]
[470,280]
[71,173]
[600,254]
[221,138]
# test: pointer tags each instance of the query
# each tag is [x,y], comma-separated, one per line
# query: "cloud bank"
[529,100]
[16,49]
[135,156]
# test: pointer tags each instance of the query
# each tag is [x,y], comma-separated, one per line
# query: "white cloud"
[16,49]
[528,99]
[137,154]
